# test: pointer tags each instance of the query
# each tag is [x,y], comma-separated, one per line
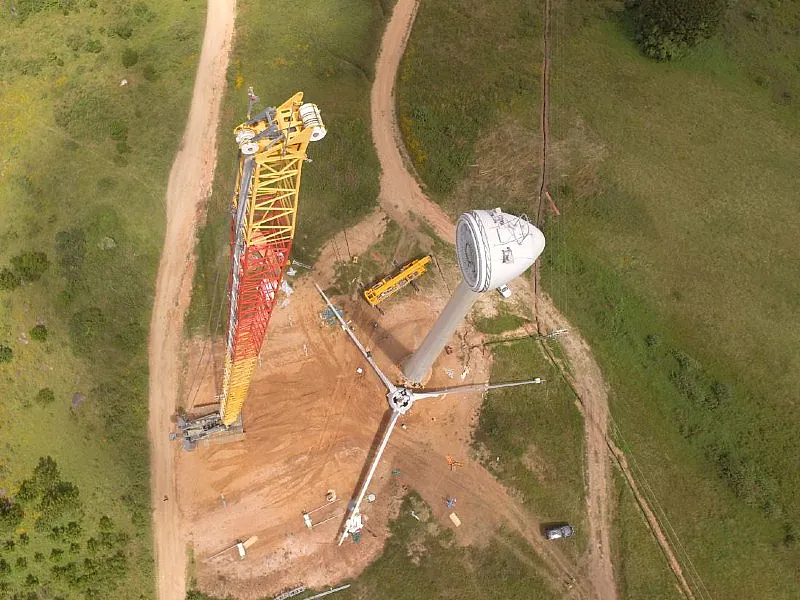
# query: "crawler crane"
[272,151]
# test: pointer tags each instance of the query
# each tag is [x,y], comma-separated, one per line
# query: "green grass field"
[83,170]
[674,254]
[328,53]
[640,569]
[531,438]
[505,320]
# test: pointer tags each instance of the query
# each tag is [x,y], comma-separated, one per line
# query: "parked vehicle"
[562,531]
[504,291]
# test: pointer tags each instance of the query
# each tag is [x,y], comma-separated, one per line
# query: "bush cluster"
[11,514]
[45,396]
[25,267]
[8,279]
[71,252]
[39,333]
[666,29]
[129,57]
[89,566]
[22,9]
[707,401]
[6,354]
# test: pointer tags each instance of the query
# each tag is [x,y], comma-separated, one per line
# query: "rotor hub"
[401,400]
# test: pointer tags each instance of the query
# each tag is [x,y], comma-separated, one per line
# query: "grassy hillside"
[677,256]
[84,161]
[328,53]
[674,254]
[467,95]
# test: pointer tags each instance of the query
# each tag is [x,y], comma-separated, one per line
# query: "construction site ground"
[310,422]
[311,419]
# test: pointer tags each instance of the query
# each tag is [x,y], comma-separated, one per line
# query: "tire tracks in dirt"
[189,185]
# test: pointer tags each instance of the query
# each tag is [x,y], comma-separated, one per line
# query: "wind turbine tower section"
[264,212]
[492,248]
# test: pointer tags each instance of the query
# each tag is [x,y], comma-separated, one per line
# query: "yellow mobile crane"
[392,284]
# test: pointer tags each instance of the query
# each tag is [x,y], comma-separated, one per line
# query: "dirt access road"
[401,195]
[189,185]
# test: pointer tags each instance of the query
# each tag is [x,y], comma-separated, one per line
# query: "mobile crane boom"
[264,212]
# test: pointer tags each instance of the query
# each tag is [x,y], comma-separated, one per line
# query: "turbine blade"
[386,381]
[371,473]
[477,387]
[495,386]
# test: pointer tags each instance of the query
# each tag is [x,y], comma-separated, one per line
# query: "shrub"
[722,391]
[8,279]
[130,337]
[93,46]
[106,524]
[665,29]
[149,72]
[45,396]
[119,131]
[39,333]
[22,562]
[74,42]
[143,12]
[83,111]
[86,327]
[59,500]
[123,30]
[129,57]
[45,475]
[11,514]
[5,568]
[180,31]
[73,530]
[71,252]
[6,354]
[652,341]
[790,535]
[29,266]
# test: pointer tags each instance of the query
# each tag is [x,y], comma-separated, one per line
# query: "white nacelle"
[494,247]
